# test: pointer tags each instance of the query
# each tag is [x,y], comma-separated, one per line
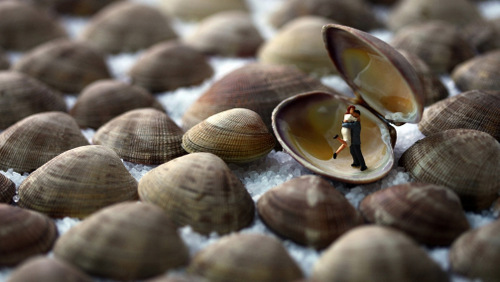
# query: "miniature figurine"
[345,131]
[352,137]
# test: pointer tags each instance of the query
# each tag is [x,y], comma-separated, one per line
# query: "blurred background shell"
[72,7]
[7,189]
[307,210]
[127,27]
[24,233]
[228,33]
[34,140]
[199,190]
[483,35]
[23,96]
[475,254]
[245,257]
[169,65]
[4,61]
[237,135]
[23,26]
[464,160]
[299,43]
[429,213]
[103,100]
[65,65]
[255,86]
[127,241]
[439,44]
[47,269]
[199,9]
[475,109]
[354,13]
[481,72]
[145,136]
[376,253]
[77,183]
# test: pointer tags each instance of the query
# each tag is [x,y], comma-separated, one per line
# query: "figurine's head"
[350,109]
[355,113]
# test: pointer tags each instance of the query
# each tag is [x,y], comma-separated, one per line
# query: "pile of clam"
[161,190]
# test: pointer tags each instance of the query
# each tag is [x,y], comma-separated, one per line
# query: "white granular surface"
[277,167]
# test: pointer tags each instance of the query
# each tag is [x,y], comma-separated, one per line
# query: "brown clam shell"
[378,254]
[480,72]
[47,269]
[199,190]
[237,135]
[24,233]
[4,61]
[77,183]
[308,210]
[465,160]
[126,241]
[245,257]
[476,253]
[34,140]
[229,33]
[7,189]
[255,86]
[66,65]
[475,109]
[483,35]
[145,136]
[23,26]
[299,43]
[106,99]
[127,27]
[429,213]
[169,65]
[23,96]
[199,9]
[79,7]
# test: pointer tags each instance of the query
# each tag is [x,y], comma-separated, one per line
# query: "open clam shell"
[465,160]
[7,189]
[127,241]
[145,136]
[24,233]
[480,72]
[429,213]
[34,140]
[77,183]
[47,269]
[308,210]
[237,135]
[378,254]
[245,257]
[199,190]
[199,9]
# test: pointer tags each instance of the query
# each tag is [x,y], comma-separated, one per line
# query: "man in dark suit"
[355,148]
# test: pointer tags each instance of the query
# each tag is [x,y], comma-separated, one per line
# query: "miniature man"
[355,144]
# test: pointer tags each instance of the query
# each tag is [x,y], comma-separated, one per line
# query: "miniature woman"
[345,131]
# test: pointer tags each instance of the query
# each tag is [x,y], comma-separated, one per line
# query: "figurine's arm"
[349,124]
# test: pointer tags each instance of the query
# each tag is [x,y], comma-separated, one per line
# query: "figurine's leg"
[359,156]
[355,162]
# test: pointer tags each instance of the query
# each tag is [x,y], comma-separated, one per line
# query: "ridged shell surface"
[47,269]
[480,72]
[7,189]
[77,183]
[199,9]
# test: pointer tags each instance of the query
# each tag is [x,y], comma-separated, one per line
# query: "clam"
[439,44]
[4,61]
[145,136]
[7,189]
[480,72]
[77,183]
[483,35]
[430,214]
[299,43]
[78,7]
[255,86]
[127,241]
[476,253]
[308,210]
[199,9]
[169,65]
[496,208]
[456,12]
[199,190]
[23,26]
[237,135]
[24,233]
[245,257]
[475,109]
[34,140]
[228,33]
[127,27]
[355,13]
[47,269]
[305,124]
[23,96]
[465,160]
[66,65]
[376,253]
[106,99]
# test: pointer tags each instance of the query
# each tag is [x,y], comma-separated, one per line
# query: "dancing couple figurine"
[351,137]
